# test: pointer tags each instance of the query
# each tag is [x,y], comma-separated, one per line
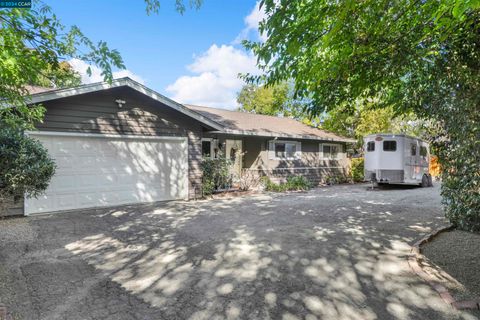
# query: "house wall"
[310,164]
[99,113]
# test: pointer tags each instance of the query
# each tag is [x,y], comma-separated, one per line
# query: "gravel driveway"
[330,253]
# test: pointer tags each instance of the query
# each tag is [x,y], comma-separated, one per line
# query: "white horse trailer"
[396,159]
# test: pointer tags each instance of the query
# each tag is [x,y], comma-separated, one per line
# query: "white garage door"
[98,170]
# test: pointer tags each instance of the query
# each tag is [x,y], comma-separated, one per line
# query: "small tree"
[25,166]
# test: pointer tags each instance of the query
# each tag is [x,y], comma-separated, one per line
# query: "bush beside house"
[357,169]
[25,169]
[216,175]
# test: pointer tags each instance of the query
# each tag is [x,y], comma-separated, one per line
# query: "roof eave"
[88,88]
[279,135]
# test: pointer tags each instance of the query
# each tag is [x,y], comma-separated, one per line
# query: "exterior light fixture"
[120,103]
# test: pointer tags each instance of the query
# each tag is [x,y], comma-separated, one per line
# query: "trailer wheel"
[424,181]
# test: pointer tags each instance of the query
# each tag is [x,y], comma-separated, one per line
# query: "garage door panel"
[100,171]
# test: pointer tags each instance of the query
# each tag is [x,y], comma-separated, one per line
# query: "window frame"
[298,150]
[371,143]
[383,146]
[340,153]
[413,146]
[212,148]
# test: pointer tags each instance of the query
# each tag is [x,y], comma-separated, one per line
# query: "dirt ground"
[335,253]
[458,253]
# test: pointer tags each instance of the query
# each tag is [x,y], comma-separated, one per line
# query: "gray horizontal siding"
[134,118]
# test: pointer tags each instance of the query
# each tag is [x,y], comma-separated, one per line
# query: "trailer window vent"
[371,146]
[390,145]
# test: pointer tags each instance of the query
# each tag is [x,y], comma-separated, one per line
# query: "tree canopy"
[274,100]
[34,45]
[420,56]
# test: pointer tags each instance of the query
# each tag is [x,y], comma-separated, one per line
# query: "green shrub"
[357,169]
[293,183]
[25,166]
[216,175]
[460,163]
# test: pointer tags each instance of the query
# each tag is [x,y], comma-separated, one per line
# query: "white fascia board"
[88,88]
[276,135]
[101,135]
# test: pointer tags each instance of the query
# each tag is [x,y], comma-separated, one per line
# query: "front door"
[234,153]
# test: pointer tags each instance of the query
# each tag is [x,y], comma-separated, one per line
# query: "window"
[370,146]
[423,151]
[413,149]
[330,151]
[284,150]
[207,147]
[390,145]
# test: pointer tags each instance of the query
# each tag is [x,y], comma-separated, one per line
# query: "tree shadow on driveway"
[331,253]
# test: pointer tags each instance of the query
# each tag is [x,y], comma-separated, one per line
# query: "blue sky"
[194,58]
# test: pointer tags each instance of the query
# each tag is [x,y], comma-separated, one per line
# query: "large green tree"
[33,43]
[359,120]
[33,47]
[274,100]
[421,56]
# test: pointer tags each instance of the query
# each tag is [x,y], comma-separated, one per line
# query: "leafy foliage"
[357,169]
[62,76]
[216,174]
[153,6]
[32,45]
[26,168]
[294,183]
[420,56]
[274,100]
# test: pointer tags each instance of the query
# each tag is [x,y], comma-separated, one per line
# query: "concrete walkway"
[331,253]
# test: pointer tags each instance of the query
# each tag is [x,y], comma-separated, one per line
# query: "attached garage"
[117,143]
[95,170]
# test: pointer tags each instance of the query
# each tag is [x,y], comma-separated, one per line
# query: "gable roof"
[42,96]
[243,123]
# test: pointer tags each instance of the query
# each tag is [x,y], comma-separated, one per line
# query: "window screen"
[330,151]
[390,145]
[279,150]
[290,149]
[206,148]
[285,150]
[371,146]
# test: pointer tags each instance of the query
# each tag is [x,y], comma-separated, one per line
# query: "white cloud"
[252,22]
[81,67]
[215,80]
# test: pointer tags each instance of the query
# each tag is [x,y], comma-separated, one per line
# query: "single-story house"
[121,142]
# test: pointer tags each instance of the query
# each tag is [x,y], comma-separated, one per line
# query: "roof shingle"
[262,125]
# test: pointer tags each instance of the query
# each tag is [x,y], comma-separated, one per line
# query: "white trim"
[212,147]
[273,156]
[280,135]
[87,88]
[340,153]
[100,135]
